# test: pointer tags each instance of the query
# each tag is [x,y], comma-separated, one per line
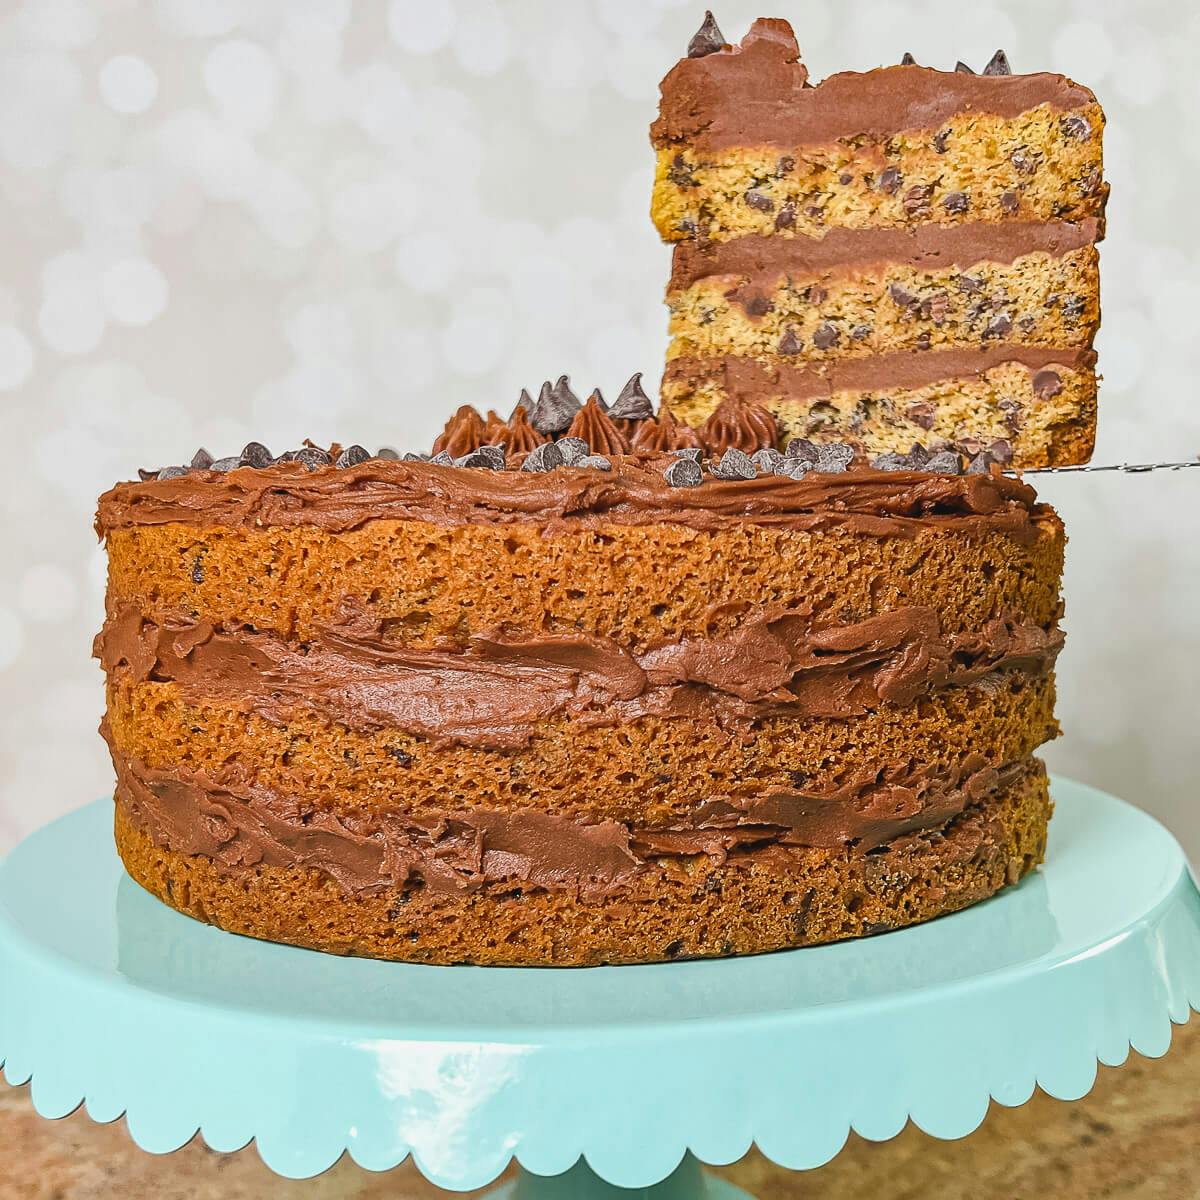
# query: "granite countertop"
[1134,1137]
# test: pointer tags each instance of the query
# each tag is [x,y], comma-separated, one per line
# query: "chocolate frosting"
[739,424]
[241,825]
[876,503]
[900,370]
[758,94]
[764,260]
[494,692]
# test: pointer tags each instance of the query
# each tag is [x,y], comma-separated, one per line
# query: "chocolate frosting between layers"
[494,692]
[765,260]
[241,825]
[758,94]
[895,371]
[876,503]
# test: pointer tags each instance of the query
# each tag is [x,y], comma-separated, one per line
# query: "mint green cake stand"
[596,1080]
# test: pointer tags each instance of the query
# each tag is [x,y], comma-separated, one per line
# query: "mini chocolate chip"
[834,457]
[673,949]
[681,172]
[545,457]
[401,756]
[171,472]
[968,283]
[924,340]
[962,69]
[826,336]
[1026,324]
[816,212]
[940,140]
[1009,202]
[388,454]
[998,64]
[785,218]
[198,569]
[1012,413]
[225,465]
[594,462]
[692,452]
[735,464]
[1047,384]
[1075,127]
[758,306]
[759,201]
[766,459]
[1001,450]
[352,456]
[956,202]
[1025,162]
[1000,326]
[916,199]
[802,450]
[945,462]
[684,472]
[921,412]
[934,307]
[442,459]
[860,333]
[791,468]
[632,404]
[908,60]
[1072,307]
[902,296]
[790,343]
[708,39]
[572,450]
[201,460]
[890,180]
[255,454]
[785,166]
[311,456]
[415,456]
[815,294]
[917,456]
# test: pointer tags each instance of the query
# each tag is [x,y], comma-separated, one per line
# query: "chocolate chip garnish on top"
[945,462]
[572,449]
[171,472]
[908,60]
[352,456]
[708,39]
[201,460]
[255,454]
[525,401]
[387,453]
[834,457]
[766,459]
[481,460]
[801,450]
[684,472]
[442,459]
[555,408]
[545,457]
[311,456]
[735,464]
[998,64]
[231,463]
[594,462]
[691,452]
[632,404]
[961,68]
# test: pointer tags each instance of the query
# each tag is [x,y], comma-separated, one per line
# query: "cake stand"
[594,1080]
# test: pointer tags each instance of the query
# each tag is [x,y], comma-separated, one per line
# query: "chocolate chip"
[1073,307]
[924,340]
[525,401]
[981,464]
[917,455]
[198,569]
[790,343]
[815,294]
[834,457]
[766,459]
[791,468]
[956,202]
[860,333]
[673,949]
[921,412]
[555,408]
[1076,127]
[816,212]
[998,64]
[414,456]
[908,60]
[388,454]
[171,472]
[146,475]
[545,457]
[594,462]
[401,756]
[902,296]
[1009,202]
[846,179]
[684,472]
[1047,384]
[962,69]
[735,464]
[785,166]
[968,283]
[442,459]
[201,460]
[785,218]
[255,454]
[891,462]
[681,172]
[1012,413]
[352,456]
[490,458]
[945,462]
[1000,326]
[572,449]
[224,465]
[1025,162]
[311,456]
[826,336]
[759,201]
[801,450]
[916,199]
[1001,450]
[632,404]
[934,307]
[890,180]
[940,140]
[708,39]
[758,305]
[691,452]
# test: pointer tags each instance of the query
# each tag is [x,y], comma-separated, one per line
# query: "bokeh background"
[271,219]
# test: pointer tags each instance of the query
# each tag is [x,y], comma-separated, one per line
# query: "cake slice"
[892,256]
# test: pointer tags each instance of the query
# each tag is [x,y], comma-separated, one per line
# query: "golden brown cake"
[892,256]
[604,689]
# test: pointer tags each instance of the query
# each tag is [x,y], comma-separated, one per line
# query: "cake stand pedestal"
[595,1080]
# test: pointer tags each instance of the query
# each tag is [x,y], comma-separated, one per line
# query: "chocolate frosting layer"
[241,826]
[878,503]
[766,260]
[901,370]
[494,692]
[758,94]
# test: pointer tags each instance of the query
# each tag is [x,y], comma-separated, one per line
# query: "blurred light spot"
[16,358]
[128,84]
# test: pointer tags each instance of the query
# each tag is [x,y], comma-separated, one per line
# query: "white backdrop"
[236,219]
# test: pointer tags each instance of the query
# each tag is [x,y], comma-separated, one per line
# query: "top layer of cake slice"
[898,255]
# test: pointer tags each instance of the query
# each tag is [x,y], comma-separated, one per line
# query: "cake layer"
[758,298]
[249,870]
[745,145]
[1041,401]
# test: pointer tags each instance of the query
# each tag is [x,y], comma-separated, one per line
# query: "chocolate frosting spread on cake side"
[240,826]
[861,500]
[493,692]
[758,94]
